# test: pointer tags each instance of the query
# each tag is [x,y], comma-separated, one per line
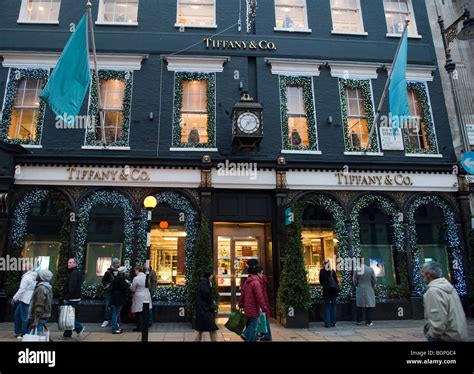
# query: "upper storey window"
[39,11]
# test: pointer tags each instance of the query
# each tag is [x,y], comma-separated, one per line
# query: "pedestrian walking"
[118,297]
[153,280]
[264,283]
[444,314]
[72,295]
[41,301]
[107,280]
[206,306]
[330,284]
[22,299]
[365,281]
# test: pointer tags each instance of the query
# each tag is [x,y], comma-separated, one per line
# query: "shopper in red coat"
[263,282]
[253,302]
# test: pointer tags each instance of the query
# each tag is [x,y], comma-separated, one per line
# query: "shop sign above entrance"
[99,174]
[243,45]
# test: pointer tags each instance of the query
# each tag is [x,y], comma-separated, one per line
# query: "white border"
[354,70]
[196,64]
[294,67]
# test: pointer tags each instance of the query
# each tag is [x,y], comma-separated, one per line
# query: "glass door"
[232,253]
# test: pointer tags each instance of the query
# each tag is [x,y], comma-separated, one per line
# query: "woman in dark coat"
[328,279]
[206,308]
[118,292]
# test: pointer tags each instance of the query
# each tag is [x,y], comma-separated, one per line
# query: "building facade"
[174,76]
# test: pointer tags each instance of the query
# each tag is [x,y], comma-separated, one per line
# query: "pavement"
[382,331]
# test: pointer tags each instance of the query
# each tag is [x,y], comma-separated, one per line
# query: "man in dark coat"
[206,308]
[118,297]
[328,279]
[107,280]
[72,294]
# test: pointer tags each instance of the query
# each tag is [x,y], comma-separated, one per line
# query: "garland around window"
[422,96]
[14,77]
[366,89]
[308,100]
[93,113]
[210,78]
[452,238]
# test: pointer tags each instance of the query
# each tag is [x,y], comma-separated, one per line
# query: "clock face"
[248,123]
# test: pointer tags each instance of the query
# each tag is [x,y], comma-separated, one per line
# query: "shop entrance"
[234,245]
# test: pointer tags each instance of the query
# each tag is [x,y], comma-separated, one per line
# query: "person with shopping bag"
[266,333]
[23,298]
[41,302]
[72,295]
[253,303]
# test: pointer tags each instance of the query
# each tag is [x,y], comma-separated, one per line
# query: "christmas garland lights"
[251,15]
[364,87]
[210,78]
[10,95]
[308,99]
[113,199]
[452,238]
[388,208]
[92,130]
[422,96]
[338,215]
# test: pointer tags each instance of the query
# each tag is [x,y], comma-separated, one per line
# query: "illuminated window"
[99,258]
[357,124]
[168,247]
[291,14]
[112,94]
[194,112]
[297,121]
[44,254]
[25,111]
[346,16]
[396,13]
[197,13]
[40,11]
[416,134]
[118,12]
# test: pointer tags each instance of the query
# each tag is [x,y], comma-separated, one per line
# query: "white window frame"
[101,21]
[192,26]
[415,34]
[23,12]
[284,29]
[361,33]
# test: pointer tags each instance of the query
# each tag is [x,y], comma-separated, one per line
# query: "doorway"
[234,245]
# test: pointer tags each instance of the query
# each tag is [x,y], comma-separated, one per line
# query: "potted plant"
[294,294]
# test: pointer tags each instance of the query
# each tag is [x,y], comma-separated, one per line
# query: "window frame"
[23,13]
[362,32]
[194,26]
[90,140]
[101,21]
[415,34]
[307,29]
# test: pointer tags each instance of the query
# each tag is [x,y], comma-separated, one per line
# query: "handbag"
[262,324]
[237,322]
[34,336]
[333,285]
[67,316]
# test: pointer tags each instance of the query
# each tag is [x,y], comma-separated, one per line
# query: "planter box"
[297,319]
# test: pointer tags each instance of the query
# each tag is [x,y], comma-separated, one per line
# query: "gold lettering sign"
[349,179]
[263,45]
[108,175]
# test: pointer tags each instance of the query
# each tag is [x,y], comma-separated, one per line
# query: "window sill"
[307,31]
[32,146]
[104,148]
[361,33]
[295,152]
[38,22]
[102,23]
[178,26]
[183,149]
[389,35]
[363,154]
[423,155]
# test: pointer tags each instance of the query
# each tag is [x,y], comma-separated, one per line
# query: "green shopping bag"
[237,322]
[262,324]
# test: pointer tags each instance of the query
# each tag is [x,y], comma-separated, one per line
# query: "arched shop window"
[43,235]
[168,246]
[430,232]
[319,241]
[377,245]
[105,238]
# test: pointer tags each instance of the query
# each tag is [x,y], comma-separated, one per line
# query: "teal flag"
[398,92]
[70,80]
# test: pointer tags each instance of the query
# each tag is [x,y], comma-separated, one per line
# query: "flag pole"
[385,90]
[96,71]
